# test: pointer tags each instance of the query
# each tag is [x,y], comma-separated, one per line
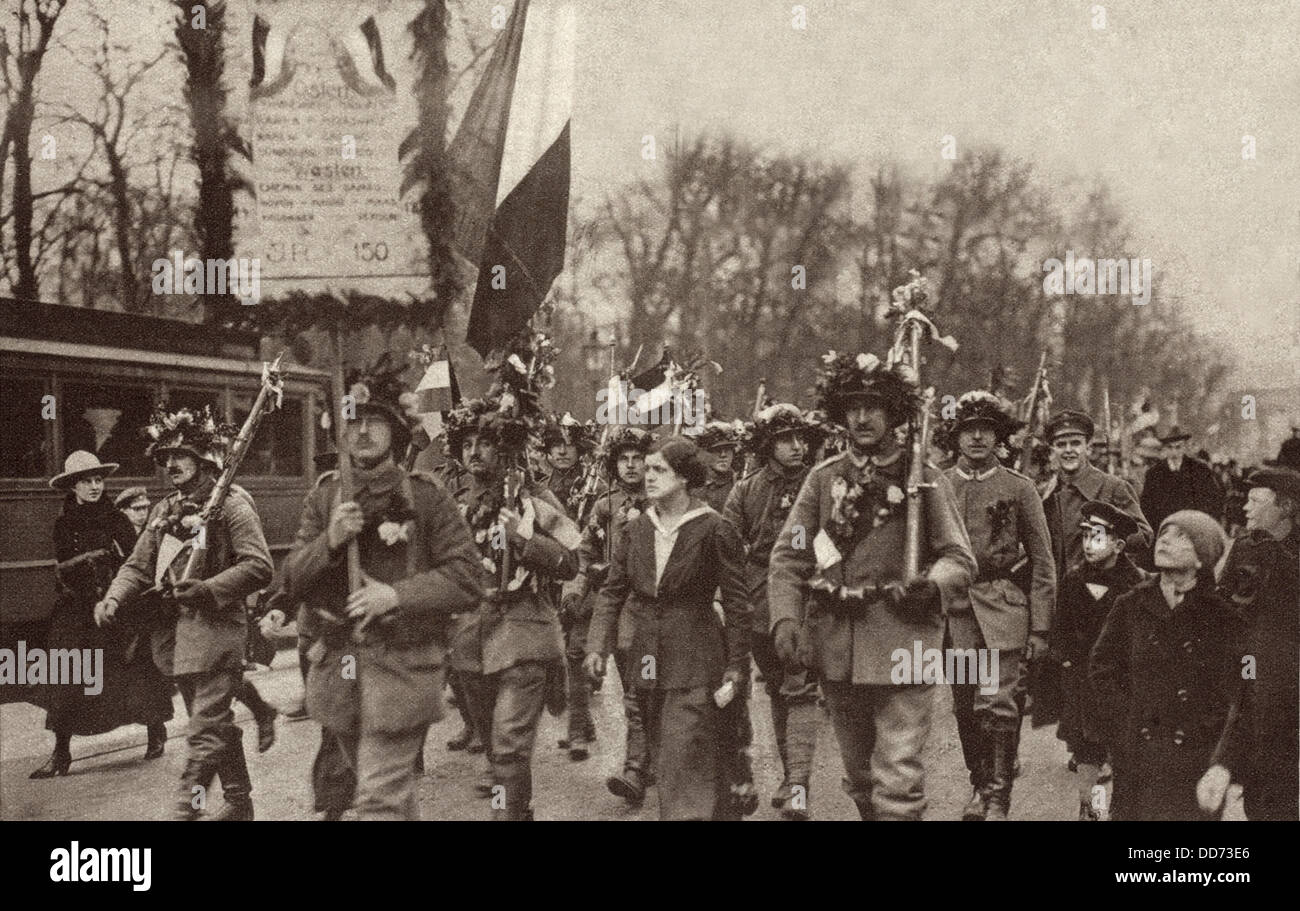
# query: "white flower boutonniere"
[894,494]
[392,532]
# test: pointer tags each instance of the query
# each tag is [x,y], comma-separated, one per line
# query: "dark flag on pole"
[510,178]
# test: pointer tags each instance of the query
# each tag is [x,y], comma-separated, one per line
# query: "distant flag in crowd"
[437,391]
[510,177]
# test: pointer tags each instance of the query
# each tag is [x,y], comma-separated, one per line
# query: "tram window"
[108,420]
[277,447]
[24,443]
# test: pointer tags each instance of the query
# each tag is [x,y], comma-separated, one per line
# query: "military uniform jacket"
[758,506]
[716,490]
[1163,681]
[563,485]
[397,679]
[236,562]
[609,516]
[860,649]
[1004,518]
[1063,507]
[511,627]
[678,641]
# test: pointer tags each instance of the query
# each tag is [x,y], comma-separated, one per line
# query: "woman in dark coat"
[91,540]
[666,566]
[1163,669]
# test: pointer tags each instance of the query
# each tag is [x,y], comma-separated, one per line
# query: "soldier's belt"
[844,599]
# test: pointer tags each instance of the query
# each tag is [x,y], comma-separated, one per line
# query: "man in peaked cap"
[841,605]
[1261,576]
[1005,520]
[758,506]
[1077,481]
[1179,481]
[203,646]
[377,655]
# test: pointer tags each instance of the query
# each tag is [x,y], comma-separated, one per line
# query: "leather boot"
[516,778]
[630,786]
[236,784]
[800,745]
[977,808]
[780,719]
[194,790]
[157,741]
[57,765]
[1003,774]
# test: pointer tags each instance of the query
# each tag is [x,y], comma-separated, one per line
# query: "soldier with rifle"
[378,651]
[857,578]
[201,554]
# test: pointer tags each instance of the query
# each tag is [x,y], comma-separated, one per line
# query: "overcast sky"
[1156,103]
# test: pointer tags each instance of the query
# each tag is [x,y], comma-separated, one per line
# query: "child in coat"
[1087,594]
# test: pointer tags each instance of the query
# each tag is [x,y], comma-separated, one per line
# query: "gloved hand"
[916,601]
[785,640]
[195,593]
[594,665]
[1036,648]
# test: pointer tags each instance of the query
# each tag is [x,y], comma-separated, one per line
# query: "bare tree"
[22,51]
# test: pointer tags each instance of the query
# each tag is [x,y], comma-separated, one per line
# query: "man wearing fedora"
[377,657]
[1004,517]
[841,604]
[1179,481]
[1077,482]
[203,645]
[1261,577]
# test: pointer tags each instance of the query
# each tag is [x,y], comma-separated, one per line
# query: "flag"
[436,393]
[510,178]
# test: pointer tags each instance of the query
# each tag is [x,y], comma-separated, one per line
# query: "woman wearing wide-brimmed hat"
[91,539]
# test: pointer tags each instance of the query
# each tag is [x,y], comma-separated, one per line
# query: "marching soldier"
[758,506]
[1004,518]
[203,646]
[376,659]
[839,603]
[526,543]
[622,502]
[568,448]
[719,441]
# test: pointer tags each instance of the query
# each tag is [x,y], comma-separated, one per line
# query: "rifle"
[1110,456]
[1035,396]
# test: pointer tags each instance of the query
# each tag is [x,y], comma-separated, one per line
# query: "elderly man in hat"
[1179,481]
[203,646]
[622,501]
[377,654]
[1076,482]
[758,506]
[510,653]
[720,441]
[1261,577]
[840,603]
[1004,517]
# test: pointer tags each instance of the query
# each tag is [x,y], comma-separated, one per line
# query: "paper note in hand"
[825,551]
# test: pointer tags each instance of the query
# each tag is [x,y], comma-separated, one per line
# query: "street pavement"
[110,780]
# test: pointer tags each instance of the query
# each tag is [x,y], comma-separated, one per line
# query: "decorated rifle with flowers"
[909,308]
[269,398]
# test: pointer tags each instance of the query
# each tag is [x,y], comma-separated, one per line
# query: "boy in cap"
[1087,594]
[1163,670]
[1004,517]
[1261,577]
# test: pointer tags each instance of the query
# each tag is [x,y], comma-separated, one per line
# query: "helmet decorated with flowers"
[846,378]
[194,432]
